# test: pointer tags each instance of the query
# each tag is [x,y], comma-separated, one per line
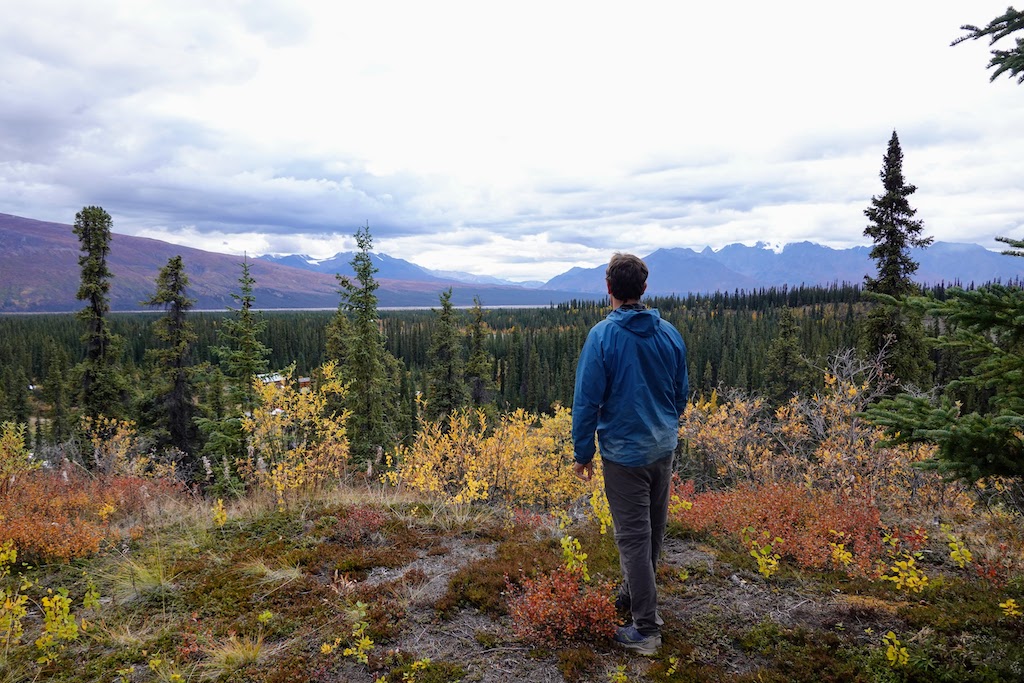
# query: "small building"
[275,378]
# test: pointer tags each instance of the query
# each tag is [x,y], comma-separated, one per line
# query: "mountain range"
[737,266]
[39,272]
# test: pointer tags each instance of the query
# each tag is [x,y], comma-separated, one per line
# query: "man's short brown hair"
[626,276]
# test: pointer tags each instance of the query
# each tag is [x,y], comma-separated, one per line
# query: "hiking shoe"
[631,639]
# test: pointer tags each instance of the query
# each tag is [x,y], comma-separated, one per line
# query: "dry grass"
[264,574]
[234,653]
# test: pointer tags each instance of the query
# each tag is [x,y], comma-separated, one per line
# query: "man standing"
[631,388]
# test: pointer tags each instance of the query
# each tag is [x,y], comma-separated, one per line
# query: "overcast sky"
[514,139]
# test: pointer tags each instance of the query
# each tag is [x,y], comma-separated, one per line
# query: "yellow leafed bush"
[14,458]
[820,440]
[296,445]
[113,445]
[525,460]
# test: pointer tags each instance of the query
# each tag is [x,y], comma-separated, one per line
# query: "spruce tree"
[17,408]
[446,385]
[890,330]
[984,326]
[174,408]
[373,374]
[243,357]
[102,389]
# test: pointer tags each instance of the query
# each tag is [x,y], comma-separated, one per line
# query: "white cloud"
[514,140]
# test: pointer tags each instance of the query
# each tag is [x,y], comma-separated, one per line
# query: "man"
[631,387]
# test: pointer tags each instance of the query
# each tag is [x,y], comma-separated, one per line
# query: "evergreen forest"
[530,353]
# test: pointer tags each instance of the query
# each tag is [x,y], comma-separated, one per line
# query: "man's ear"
[609,285]
[644,289]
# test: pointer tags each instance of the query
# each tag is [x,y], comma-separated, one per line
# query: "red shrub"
[560,607]
[129,494]
[66,514]
[357,525]
[804,519]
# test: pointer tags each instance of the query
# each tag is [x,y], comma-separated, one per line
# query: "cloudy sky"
[511,139]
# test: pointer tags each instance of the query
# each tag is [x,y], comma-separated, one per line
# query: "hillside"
[798,572]
[39,273]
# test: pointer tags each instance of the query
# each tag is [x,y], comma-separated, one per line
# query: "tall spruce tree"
[243,357]
[446,385]
[891,330]
[174,409]
[102,387]
[374,376]
[984,326]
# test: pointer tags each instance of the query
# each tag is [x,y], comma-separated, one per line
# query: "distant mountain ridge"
[738,266]
[388,267]
[39,272]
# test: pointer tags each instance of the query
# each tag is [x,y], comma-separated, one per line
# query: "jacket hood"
[641,323]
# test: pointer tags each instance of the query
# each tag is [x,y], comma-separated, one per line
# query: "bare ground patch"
[703,616]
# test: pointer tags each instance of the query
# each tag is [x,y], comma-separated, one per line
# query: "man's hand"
[584,472]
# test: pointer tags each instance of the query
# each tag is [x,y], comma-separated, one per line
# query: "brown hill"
[39,272]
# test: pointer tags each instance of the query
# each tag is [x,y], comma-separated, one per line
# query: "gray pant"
[638,498]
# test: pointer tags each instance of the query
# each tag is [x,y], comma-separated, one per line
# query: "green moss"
[269,527]
[955,605]
[429,672]
[486,639]
[798,654]
[580,663]
[482,583]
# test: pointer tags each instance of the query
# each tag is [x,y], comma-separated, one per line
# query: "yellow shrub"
[525,460]
[14,458]
[820,440]
[295,444]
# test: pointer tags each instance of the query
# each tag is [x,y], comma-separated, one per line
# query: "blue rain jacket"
[631,388]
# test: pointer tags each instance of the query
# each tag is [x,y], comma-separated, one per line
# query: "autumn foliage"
[296,444]
[525,460]
[821,442]
[561,607]
[807,521]
[66,514]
